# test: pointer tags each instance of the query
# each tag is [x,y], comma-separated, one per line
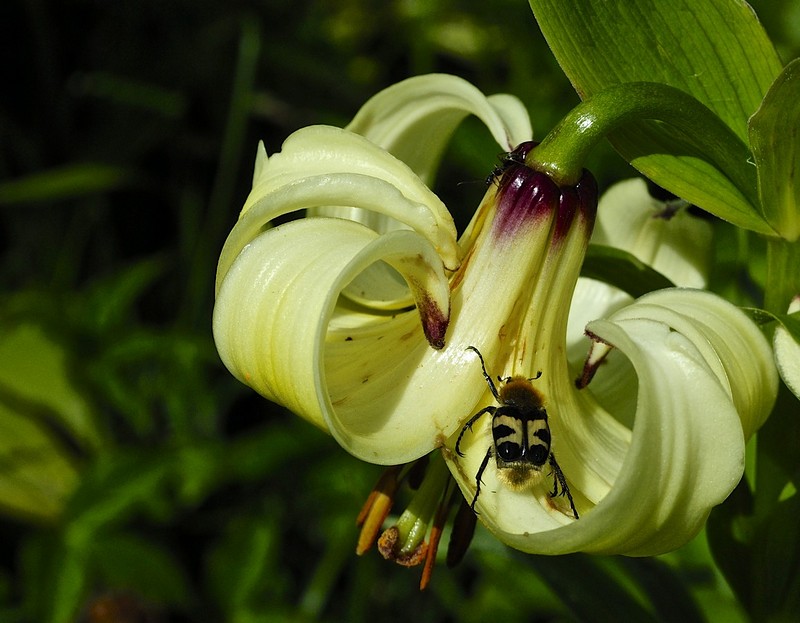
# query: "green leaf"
[40,408]
[35,380]
[775,139]
[715,50]
[754,537]
[729,530]
[243,569]
[790,322]
[36,474]
[74,180]
[623,270]
[114,489]
[110,301]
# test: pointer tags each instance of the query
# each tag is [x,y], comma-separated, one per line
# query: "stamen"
[377,507]
[435,495]
[462,533]
[413,523]
[442,512]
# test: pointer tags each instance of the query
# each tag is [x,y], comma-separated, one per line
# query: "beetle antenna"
[486,374]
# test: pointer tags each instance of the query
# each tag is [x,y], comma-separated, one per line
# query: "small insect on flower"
[521,436]
[507,159]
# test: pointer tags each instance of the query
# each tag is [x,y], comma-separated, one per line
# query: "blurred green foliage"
[138,480]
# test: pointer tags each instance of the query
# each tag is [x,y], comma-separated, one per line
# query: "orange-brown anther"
[376,508]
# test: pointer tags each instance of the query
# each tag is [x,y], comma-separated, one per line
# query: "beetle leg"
[469,424]
[560,479]
[478,480]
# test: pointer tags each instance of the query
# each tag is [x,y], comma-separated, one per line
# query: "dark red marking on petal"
[434,322]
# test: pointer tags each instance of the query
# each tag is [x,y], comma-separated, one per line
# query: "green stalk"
[564,150]
[783,274]
[413,523]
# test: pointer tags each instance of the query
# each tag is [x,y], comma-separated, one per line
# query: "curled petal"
[732,346]
[667,238]
[705,383]
[414,119]
[318,156]
[276,312]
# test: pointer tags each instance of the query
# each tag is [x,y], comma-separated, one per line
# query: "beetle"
[521,436]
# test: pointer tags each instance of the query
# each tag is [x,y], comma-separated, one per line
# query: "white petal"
[703,375]
[678,247]
[367,191]
[730,342]
[787,353]
[326,153]
[274,306]
[414,119]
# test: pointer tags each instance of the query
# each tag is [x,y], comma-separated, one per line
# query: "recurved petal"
[703,374]
[414,119]
[731,344]
[370,192]
[324,154]
[276,315]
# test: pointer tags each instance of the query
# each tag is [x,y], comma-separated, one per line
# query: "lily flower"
[365,318]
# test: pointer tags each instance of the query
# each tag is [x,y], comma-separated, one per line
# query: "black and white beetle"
[521,436]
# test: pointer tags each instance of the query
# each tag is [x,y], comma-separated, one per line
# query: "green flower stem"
[413,523]
[783,276]
[563,151]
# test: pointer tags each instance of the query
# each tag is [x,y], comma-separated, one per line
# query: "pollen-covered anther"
[391,548]
[414,537]
[376,508]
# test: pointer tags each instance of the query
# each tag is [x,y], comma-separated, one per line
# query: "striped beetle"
[521,436]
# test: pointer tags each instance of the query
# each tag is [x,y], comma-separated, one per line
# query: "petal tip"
[434,322]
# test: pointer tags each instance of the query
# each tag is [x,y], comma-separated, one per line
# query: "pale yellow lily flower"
[359,318]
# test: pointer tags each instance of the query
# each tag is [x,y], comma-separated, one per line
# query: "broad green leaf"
[776,149]
[715,50]
[39,406]
[36,474]
[623,270]
[34,372]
